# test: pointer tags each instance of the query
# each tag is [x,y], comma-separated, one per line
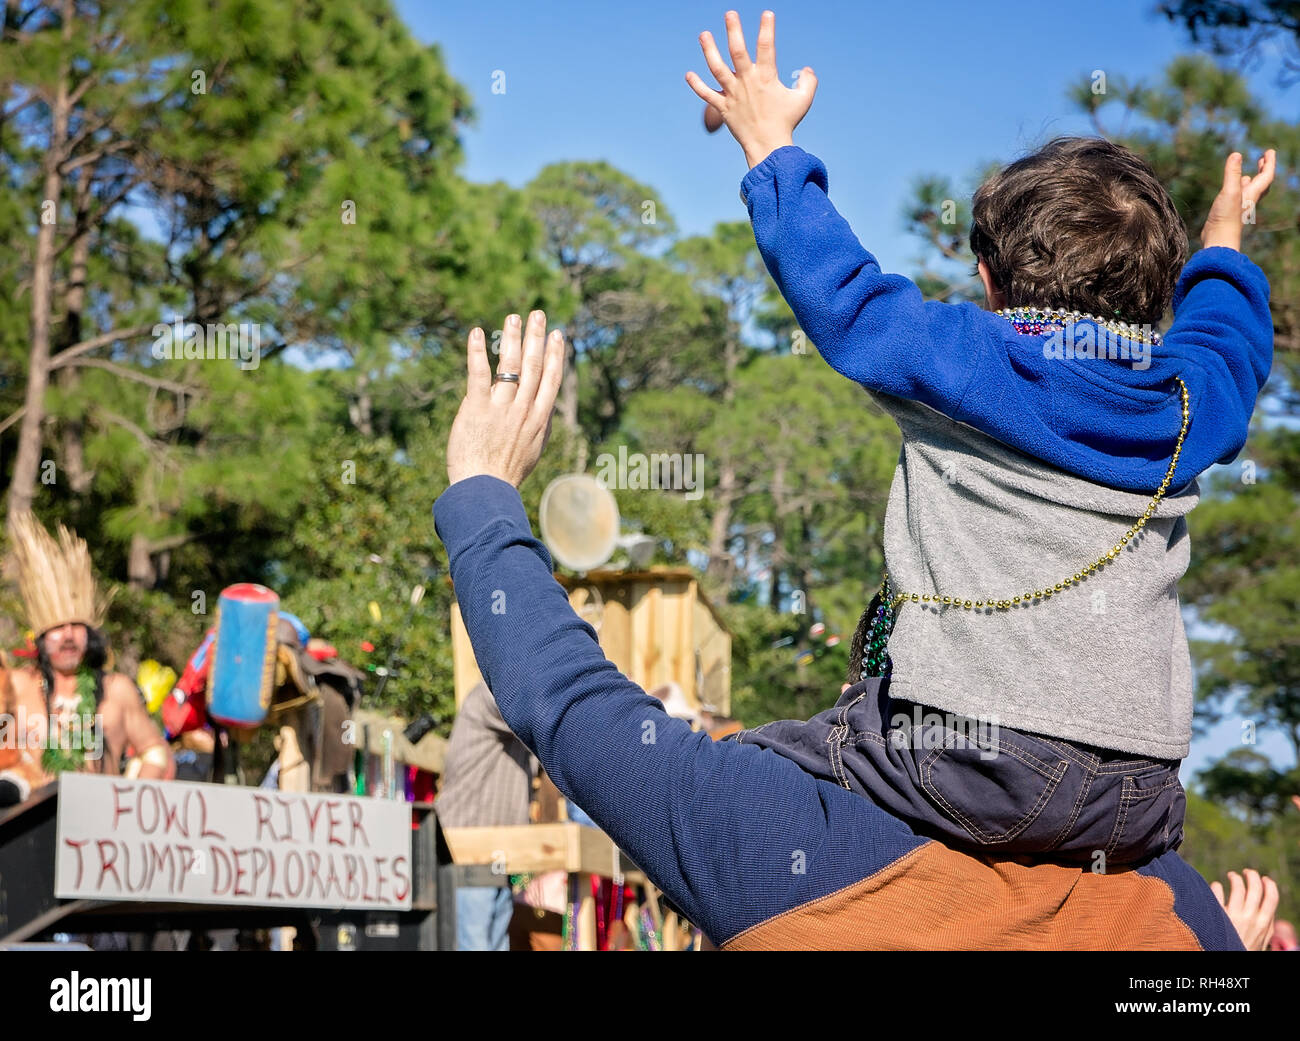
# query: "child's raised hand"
[1235,203]
[760,111]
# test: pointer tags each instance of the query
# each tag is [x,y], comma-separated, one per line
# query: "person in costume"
[1022,681]
[77,713]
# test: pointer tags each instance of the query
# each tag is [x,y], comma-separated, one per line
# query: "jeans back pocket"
[1149,819]
[993,788]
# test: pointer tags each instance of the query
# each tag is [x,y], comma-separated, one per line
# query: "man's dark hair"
[1082,224]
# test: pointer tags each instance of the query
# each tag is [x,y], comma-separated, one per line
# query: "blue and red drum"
[243,656]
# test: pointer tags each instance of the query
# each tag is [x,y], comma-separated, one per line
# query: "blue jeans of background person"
[483,918]
[577,814]
[984,787]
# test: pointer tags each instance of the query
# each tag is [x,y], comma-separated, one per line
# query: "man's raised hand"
[760,111]
[503,425]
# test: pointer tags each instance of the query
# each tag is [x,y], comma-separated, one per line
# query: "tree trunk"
[777,560]
[23,490]
[721,564]
[361,409]
[149,559]
[774,582]
[140,571]
[721,567]
[569,404]
[801,563]
[73,433]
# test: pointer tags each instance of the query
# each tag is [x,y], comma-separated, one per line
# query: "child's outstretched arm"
[967,363]
[1222,334]
[874,328]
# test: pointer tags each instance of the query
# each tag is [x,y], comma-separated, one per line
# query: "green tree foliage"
[1217,839]
[1239,29]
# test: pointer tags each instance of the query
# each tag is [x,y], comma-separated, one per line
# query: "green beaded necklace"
[56,760]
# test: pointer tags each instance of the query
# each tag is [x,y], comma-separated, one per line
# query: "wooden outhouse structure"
[656,625]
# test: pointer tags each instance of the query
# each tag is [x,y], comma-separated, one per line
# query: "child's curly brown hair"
[1082,224]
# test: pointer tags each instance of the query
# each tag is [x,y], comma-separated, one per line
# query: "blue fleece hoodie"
[1102,420]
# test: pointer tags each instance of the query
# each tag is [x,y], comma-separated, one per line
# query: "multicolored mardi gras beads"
[1034,321]
[875,648]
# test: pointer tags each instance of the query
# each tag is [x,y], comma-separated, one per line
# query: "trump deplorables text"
[178,841]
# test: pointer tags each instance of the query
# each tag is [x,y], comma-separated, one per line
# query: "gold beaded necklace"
[1005,604]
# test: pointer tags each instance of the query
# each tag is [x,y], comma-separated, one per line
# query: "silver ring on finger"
[507,377]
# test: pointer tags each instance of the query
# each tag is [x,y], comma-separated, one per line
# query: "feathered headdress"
[55,579]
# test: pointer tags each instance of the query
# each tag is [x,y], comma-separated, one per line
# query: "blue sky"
[905,90]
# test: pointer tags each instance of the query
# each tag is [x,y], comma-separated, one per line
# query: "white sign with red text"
[121,839]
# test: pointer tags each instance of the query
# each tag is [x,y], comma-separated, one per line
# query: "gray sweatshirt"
[1105,662]
[487,778]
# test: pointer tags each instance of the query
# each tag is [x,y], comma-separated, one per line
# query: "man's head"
[66,647]
[1082,224]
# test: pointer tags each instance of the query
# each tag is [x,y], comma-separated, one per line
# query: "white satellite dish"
[579,521]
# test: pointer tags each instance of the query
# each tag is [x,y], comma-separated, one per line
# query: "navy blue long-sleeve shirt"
[1099,419]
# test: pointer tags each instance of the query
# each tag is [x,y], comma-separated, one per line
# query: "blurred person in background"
[487,781]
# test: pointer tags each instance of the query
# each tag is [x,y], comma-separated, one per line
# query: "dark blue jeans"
[979,786]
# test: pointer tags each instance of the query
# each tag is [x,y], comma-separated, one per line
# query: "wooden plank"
[547,805]
[616,627]
[713,643]
[682,616]
[671,941]
[645,599]
[465,671]
[657,573]
[723,671]
[534,848]
[654,624]
[655,643]
[521,848]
